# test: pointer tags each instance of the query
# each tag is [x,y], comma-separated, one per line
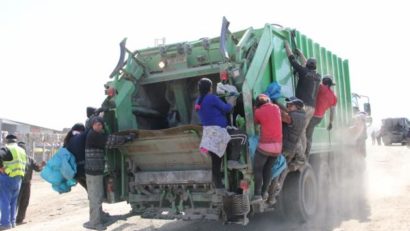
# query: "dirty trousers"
[23,201]
[95,190]
[303,139]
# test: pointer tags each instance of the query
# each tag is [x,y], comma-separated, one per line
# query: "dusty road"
[382,204]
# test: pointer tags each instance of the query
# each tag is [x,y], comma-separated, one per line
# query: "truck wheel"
[386,141]
[299,195]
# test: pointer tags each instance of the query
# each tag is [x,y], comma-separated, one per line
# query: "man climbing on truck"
[306,90]
[325,99]
[293,124]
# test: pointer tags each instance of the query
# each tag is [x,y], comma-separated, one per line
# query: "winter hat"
[78,127]
[97,119]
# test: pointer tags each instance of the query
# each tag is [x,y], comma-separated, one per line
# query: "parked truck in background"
[151,94]
[395,130]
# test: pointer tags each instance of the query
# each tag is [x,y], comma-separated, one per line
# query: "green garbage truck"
[151,93]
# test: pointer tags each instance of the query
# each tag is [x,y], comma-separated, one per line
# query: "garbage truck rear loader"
[152,94]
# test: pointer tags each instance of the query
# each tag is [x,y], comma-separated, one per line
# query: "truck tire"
[386,141]
[298,199]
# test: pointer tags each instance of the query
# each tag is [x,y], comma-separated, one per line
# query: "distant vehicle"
[394,130]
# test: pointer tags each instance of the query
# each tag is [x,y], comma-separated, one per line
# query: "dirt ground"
[383,203]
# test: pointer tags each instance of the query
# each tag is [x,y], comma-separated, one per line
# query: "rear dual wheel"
[299,197]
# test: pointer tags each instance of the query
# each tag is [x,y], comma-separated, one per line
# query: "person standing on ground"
[25,190]
[306,88]
[326,99]
[12,170]
[94,170]
[212,113]
[373,135]
[379,137]
[268,116]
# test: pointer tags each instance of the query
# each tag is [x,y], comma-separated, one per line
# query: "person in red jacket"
[326,99]
[268,116]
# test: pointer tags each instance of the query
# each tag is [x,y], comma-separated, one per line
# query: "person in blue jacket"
[212,112]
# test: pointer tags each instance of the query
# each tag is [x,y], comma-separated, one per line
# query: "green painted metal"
[254,58]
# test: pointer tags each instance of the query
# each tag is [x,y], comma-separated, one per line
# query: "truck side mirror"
[367,108]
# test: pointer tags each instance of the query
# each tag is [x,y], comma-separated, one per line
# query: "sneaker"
[257,198]
[105,216]
[265,196]
[271,200]
[300,161]
[234,164]
[88,225]
[5,227]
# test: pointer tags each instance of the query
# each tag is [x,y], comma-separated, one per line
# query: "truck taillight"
[111,92]
[110,185]
[244,185]
[223,75]
[110,190]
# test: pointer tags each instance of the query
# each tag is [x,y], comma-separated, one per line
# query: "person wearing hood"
[293,124]
[75,143]
[94,170]
[212,112]
[307,87]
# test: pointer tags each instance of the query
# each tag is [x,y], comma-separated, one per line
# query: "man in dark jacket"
[306,88]
[94,170]
[25,190]
[293,124]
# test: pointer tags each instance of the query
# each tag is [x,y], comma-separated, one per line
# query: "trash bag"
[253,144]
[279,166]
[60,171]
[273,91]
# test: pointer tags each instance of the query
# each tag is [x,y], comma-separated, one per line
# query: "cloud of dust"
[345,195]
[358,180]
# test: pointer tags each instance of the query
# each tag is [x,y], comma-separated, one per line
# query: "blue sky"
[55,56]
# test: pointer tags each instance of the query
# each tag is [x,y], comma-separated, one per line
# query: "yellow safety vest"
[17,166]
